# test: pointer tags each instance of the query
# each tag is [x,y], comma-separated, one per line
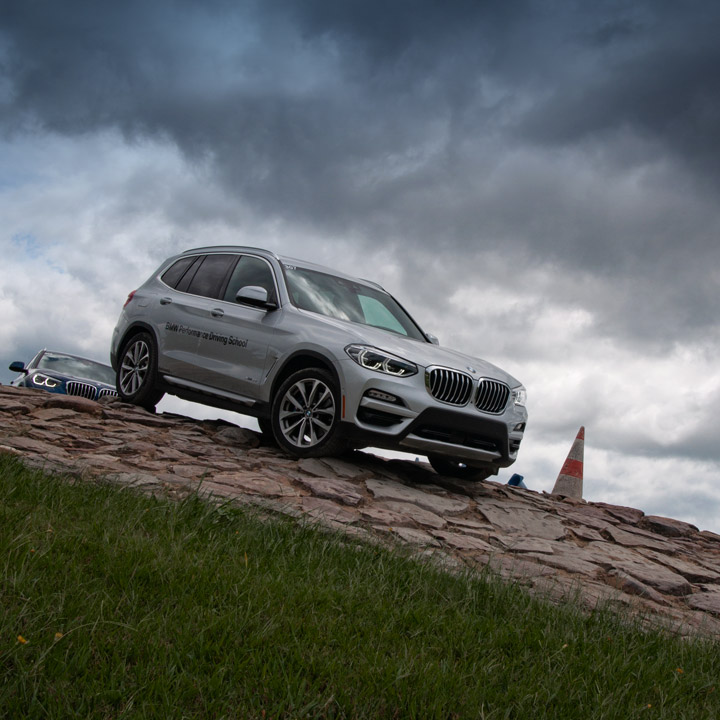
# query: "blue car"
[66,374]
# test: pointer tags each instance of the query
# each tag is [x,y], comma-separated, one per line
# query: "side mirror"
[18,367]
[432,339]
[256,296]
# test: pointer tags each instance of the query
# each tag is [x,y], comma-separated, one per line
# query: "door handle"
[165,300]
[217,312]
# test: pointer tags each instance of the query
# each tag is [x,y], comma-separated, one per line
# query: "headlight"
[45,381]
[519,395]
[381,361]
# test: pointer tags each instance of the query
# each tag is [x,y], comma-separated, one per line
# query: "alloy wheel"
[307,413]
[134,367]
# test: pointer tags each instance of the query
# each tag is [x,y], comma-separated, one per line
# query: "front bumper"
[400,414]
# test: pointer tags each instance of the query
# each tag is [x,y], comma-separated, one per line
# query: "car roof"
[283,259]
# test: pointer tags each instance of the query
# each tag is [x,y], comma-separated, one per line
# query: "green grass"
[113,604]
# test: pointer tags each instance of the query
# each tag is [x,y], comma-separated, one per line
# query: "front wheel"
[449,467]
[306,414]
[137,372]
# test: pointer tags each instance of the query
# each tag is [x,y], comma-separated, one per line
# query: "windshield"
[348,300]
[77,367]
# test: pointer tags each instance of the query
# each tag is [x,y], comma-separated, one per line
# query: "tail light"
[129,298]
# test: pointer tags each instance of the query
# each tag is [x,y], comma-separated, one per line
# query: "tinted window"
[250,271]
[210,275]
[174,273]
[186,279]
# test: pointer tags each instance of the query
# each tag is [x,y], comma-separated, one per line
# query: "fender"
[136,327]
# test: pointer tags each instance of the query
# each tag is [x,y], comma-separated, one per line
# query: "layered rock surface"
[664,569]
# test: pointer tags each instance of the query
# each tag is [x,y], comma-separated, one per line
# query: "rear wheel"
[137,372]
[306,414]
[449,467]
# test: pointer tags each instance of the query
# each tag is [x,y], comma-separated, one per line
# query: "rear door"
[193,285]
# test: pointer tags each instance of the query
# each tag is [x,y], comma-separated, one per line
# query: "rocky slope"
[664,569]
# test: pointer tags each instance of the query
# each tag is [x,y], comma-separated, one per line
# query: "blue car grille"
[492,396]
[81,389]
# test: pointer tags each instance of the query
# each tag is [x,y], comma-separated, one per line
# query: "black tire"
[449,467]
[136,375]
[305,414]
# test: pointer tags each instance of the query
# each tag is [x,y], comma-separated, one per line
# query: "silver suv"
[324,361]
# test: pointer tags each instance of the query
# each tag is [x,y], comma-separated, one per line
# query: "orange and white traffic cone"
[569,482]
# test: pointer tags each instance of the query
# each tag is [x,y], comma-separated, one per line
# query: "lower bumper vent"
[457,437]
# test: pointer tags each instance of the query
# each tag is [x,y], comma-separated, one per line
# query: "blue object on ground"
[517,481]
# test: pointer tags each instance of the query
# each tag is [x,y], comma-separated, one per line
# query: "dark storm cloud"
[464,126]
[238,84]
[275,92]
[662,86]
[236,80]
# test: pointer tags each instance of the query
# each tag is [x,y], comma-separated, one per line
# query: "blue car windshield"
[345,299]
[77,367]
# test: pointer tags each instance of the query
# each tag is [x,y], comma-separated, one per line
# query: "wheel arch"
[135,329]
[308,425]
[302,360]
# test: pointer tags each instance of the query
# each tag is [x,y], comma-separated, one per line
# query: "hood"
[421,353]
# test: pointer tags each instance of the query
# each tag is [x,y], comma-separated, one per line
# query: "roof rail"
[233,248]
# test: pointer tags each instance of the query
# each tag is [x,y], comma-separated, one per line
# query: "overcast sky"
[537,182]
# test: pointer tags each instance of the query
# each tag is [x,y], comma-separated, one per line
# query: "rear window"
[202,275]
[211,275]
[175,272]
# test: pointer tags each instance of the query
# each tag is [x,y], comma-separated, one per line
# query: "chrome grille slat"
[492,396]
[449,386]
[105,392]
[458,395]
[80,389]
